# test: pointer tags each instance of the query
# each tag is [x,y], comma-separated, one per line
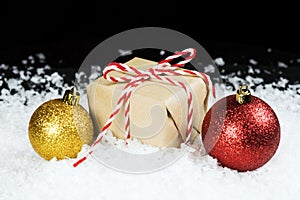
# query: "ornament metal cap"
[71,97]
[243,95]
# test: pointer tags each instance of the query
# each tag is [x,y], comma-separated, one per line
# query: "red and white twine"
[135,77]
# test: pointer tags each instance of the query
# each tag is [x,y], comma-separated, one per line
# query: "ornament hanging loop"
[71,97]
[243,94]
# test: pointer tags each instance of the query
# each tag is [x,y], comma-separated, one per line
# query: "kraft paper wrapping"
[158,111]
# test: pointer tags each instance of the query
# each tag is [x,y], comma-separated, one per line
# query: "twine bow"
[134,77]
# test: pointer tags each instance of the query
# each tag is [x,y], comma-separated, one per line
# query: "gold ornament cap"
[71,97]
[243,94]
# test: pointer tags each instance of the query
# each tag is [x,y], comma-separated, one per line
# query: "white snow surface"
[25,175]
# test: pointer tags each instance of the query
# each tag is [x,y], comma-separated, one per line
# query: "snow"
[250,70]
[124,52]
[25,175]
[257,71]
[3,66]
[282,64]
[220,61]
[209,69]
[253,62]
[41,56]
[267,72]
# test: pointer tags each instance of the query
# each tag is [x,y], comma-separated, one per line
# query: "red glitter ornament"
[241,131]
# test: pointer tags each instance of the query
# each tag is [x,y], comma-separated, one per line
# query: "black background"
[69,31]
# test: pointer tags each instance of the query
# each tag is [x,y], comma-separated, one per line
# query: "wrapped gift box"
[158,111]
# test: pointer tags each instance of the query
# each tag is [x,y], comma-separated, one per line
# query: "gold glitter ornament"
[60,127]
